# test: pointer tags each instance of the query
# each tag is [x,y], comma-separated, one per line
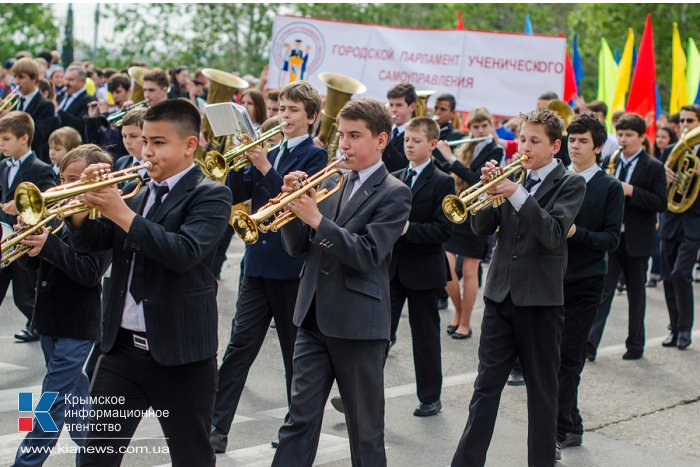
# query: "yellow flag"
[607,75]
[692,72]
[679,93]
[624,73]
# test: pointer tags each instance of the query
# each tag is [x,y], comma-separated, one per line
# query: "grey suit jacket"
[347,263]
[529,260]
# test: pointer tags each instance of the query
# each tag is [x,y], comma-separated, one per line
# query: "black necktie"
[352,178]
[21,103]
[138,278]
[280,155]
[395,133]
[409,177]
[531,182]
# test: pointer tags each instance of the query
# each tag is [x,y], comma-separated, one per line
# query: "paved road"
[637,413]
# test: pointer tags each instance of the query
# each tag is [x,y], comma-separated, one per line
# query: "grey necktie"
[352,178]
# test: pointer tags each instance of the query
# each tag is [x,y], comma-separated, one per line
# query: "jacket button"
[518,237]
[515,257]
[264,242]
[43,283]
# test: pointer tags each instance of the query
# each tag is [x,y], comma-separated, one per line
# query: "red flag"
[460,23]
[570,88]
[642,96]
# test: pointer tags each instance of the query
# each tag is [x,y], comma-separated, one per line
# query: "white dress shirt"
[28,99]
[15,167]
[588,173]
[364,174]
[68,99]
[518,198]
[291,144]
[418,170]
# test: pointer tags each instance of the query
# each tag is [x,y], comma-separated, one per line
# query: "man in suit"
[73,102]
[402,103]
[159,324]
[524,292]
[595,233]
[343,305]
[20,165]
[418,269]
[680,241]
[644,183]
[25,74]
[270,281]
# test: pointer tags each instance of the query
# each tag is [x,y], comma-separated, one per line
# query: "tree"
[27,26]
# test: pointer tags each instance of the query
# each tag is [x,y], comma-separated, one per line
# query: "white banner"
[504,72]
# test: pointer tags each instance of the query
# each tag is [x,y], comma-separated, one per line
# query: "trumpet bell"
[340,90]
[136,74]
[245,227]
[30,203]
[455,209]
[562,109]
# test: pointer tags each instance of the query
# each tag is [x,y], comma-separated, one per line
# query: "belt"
[135,338]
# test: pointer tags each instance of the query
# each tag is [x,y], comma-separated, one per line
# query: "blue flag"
[578,65]
[697,97]
[528,25]
[658,101]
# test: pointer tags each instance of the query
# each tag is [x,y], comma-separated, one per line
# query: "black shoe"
[442,304]
[427,410]
[459,335]
[275,444]
[632,355]
[651,283]
[516,378]
[590,356]
[337,404]
[392,342]
[27,335]
[218,441]
[571,439]
[451,329]
[670,341]
[683,340]
[557,452]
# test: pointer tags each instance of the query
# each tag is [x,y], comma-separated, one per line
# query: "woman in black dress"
[464,245]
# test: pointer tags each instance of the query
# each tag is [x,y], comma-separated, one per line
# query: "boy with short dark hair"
[402,102]
[20,165]
[270,277]
[159,326]
[155,86]
[643,181]
[343,306]
[524,292]
[66,316]
[418,269]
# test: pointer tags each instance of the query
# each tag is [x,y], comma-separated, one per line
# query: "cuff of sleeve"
[518,198]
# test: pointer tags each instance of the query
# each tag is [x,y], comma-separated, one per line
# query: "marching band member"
[402,103]
[97,129]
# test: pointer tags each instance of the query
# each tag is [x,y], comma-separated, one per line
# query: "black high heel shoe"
[451,329]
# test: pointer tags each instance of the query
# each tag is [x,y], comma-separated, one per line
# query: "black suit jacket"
[75,113]
[178,245]
[530,257]
[472,174]
[43,114]
[419,257]
[648,198]
[688,222]
[394,156]
[32,170]
[347,262]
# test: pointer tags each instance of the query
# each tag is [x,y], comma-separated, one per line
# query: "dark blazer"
[394,156]
[266,258]
[688,222]
[68,289]
[597,228]
[98,131]
[76,111]
[419,256]
[178,245]
[32,170]
[648,198]
[530,257]
[347,263]
[43,113]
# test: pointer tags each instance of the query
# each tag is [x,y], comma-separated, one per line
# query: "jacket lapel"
[361,195]
[292,156]
[423,179]
[182,188]
[640,167]
[480,158]
[549,181]
[23,170]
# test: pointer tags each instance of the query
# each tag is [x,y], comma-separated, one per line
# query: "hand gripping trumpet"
[11,247]
[33,205]
[217,165]
[475,198]
[246,225]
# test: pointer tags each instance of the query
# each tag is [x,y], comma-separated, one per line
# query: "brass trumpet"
[11,247]
[247,226]
[33,205]
[9,102]
[462,141]
[472,200]
[117,117]
[217,165]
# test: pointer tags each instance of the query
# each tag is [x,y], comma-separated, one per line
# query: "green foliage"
[27,26]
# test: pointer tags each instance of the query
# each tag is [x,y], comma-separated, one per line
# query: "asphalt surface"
[636,413]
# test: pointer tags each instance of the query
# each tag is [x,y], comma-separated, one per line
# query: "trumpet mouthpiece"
[148,165]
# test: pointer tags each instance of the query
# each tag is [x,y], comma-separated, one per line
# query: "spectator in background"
[56,76]
[273,103]
[179,81]
[254,102]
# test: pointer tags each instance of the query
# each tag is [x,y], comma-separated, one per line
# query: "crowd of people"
[124,304]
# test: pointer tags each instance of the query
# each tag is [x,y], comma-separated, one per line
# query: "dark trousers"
[635,270]
[64,359]
[678,256]
[220,255]
[259,300]
[358,367]
[581,300]
[656,254]
[23,287]
[424,318]
[185,391]
[534,335]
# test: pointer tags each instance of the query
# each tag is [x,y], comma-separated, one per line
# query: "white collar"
[627,160]
[172,181]
[293,142]
[419,168]
[364,174]
[401,127]
[588,173]
[544,171]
